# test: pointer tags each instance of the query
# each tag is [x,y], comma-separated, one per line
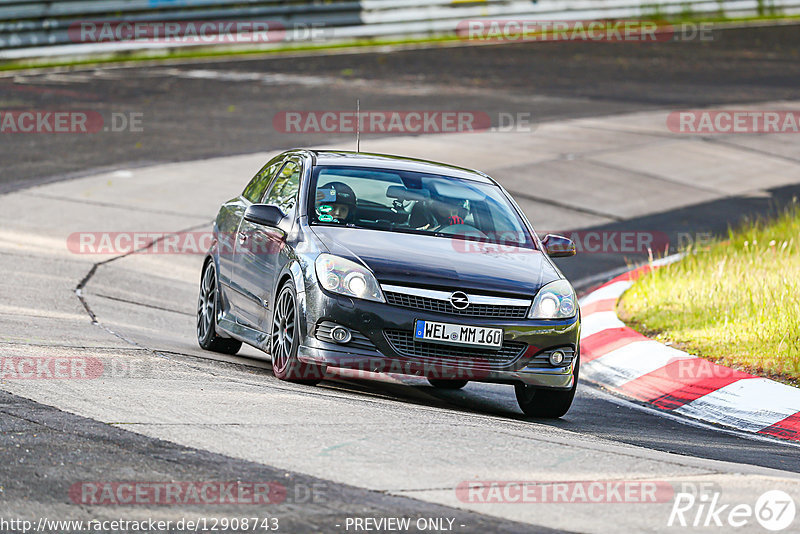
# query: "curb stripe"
[633,360]
[789,428]
[751,404]
[597,322]
[611,290]
[681,382]
[604,305]
[605,341]
[640,368]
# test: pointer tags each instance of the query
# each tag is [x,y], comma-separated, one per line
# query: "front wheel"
[547,403]
[440,383]
[207,310]
[285,340]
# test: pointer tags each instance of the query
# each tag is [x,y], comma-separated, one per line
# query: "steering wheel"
[465,229]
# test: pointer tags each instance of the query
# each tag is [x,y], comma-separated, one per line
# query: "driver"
[336,202]
[443,212]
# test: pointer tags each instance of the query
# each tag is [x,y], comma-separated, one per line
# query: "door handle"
[242,237]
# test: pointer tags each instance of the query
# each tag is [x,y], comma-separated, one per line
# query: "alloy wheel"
[206,303]
[283,330]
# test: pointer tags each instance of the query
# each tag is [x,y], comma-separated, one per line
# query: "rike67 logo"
[774,510]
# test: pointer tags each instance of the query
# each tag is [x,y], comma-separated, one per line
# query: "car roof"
[388,161]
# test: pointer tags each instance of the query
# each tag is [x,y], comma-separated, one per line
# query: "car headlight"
[556,300]
[346,277]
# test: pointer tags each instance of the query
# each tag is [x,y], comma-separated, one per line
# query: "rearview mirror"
[402,193]
[558,246]
[264,214]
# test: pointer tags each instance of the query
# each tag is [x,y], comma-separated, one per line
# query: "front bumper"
[375,320]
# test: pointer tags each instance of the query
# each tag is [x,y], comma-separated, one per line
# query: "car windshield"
[412,202]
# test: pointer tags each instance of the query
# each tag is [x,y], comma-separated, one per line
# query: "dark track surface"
[193,118]
[53,450]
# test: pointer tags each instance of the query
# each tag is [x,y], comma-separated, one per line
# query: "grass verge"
[736,302]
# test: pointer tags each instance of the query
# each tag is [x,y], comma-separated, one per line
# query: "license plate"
[455,334]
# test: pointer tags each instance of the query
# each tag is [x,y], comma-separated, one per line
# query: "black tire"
[207,310]
[284,341]
[547,403]
[441,383]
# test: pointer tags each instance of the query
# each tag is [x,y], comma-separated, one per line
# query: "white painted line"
[748,404]
[632,361]
[596,389]
[597,322]
[611,291]
[667,260]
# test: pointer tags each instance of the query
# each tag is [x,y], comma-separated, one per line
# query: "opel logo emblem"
[459,300]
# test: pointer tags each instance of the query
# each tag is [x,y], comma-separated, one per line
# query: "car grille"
[358,341]
[542,360]
[444,306]
[403,342]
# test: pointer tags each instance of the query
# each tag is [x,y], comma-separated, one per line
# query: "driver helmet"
[447,210]
[336,202]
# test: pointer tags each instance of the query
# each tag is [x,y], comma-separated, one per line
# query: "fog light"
[556,357]
[341,334]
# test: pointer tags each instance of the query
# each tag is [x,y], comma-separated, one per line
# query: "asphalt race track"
[598,158]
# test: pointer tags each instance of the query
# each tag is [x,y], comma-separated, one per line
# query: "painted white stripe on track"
[597,322]
[611,291]
[748,404]
[632,361]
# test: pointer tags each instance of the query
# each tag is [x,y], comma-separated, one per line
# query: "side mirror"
[264,214]
[558,246]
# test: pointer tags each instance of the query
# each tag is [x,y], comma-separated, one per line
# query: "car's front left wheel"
[285,340]
[207,309]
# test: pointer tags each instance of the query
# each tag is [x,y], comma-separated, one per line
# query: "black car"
[387,264]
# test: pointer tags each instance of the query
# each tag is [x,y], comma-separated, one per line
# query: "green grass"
[735,302]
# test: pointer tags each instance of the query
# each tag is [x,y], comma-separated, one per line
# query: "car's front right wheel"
[285,340]
[547,403]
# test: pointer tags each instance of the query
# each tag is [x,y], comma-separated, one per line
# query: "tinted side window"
[284,190]
[255,189]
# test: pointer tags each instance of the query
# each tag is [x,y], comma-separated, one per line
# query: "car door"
[228,222]
[257,249]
